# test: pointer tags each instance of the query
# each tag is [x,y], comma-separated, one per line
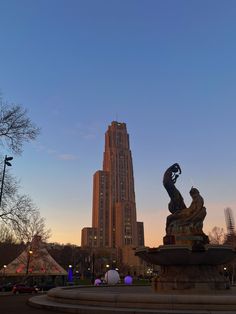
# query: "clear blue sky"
[166,68]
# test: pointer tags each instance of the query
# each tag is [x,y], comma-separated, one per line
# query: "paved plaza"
[17,304]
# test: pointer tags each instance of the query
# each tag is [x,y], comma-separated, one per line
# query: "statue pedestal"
[188,269]
[190,279]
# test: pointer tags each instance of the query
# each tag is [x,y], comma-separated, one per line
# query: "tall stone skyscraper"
[114,222]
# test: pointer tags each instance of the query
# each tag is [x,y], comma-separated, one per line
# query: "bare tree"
[15,208]
[20,214]
[15,127]
[6,234]
[33,226]
[217,235]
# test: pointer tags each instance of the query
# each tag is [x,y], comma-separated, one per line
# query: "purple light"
[128,280]
[97,282]
[70,274]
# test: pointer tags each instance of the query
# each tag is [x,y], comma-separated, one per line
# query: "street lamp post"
[30,252]
[70,274]
[4,272]
[6,163]
[93,268]
[107,267]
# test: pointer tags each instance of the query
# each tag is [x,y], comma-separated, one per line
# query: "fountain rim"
[210,254]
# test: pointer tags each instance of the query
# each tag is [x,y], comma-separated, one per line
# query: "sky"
[166,68]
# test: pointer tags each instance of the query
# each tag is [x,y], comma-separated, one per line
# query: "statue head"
[176,168]
[193,192]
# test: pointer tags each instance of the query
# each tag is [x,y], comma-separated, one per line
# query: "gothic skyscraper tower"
[114,222]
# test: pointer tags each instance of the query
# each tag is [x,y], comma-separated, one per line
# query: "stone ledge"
[42,302]
[105,301]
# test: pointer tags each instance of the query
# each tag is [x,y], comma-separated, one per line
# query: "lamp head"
[7,159]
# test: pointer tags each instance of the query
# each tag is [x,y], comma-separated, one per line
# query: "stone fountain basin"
[184,255]
[131,300]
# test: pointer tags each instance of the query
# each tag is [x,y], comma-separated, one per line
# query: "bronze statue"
[169,180]
[184,225]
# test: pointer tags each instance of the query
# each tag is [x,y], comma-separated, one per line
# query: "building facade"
[114,221]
